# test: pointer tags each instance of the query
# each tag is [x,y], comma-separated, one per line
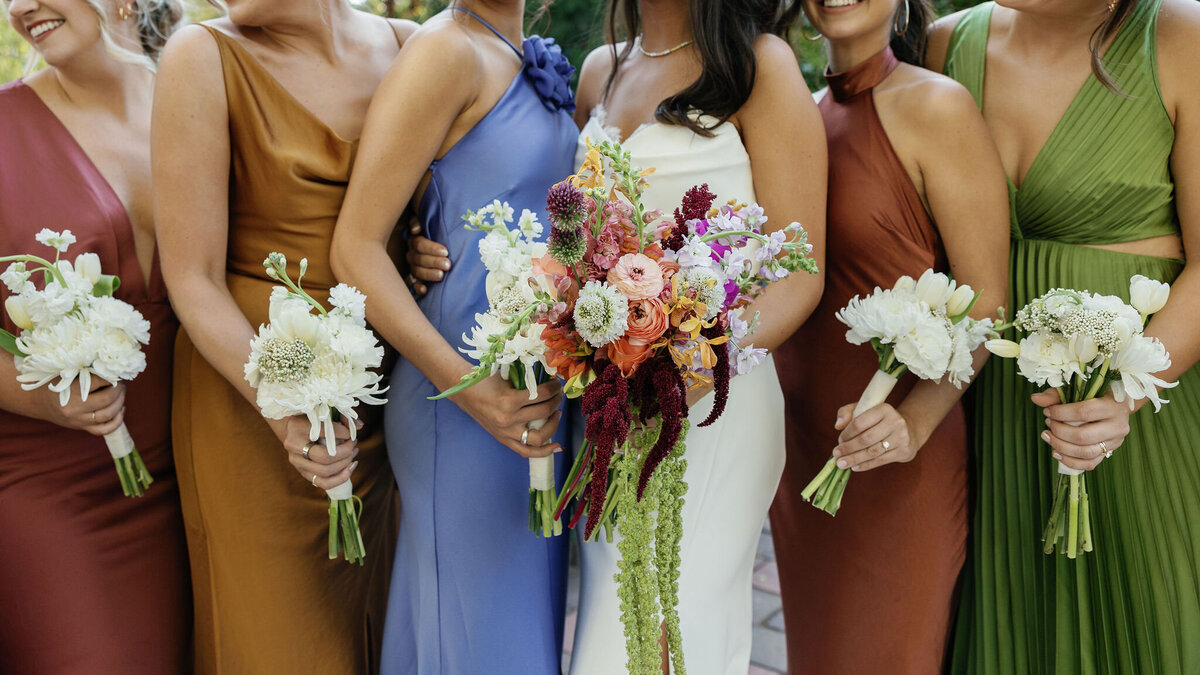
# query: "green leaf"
[8,342]
[106,286]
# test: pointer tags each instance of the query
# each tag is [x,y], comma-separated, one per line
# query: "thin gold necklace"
[664,52]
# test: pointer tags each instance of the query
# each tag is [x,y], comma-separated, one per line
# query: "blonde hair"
[156,20]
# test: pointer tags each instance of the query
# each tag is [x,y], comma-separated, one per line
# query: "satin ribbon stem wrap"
[1069,528]
[130,470]
[543,499]
[826,490]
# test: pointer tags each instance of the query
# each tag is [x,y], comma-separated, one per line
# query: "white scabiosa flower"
[601,313]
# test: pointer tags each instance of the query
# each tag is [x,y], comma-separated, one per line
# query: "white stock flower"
[601,313]
[695,253]
[493,249]
[348,301]
[748,359]
[57,241]
[501,213]
[529,225]
[16,278]
[1147,295]
[1136,362]
[935,289]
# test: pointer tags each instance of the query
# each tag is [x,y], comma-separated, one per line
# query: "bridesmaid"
[90,581]
[254,116]
[1105,183]
[464,117]
[914,183]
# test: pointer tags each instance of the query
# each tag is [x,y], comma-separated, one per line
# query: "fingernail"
[438,274]
[856,468]
[1057,456]
[445,264]
[836,453]
[558,449]
[443,252]
[841,464]
[1046,436]
[353,466]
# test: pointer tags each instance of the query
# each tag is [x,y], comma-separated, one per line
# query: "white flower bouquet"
[320,366]
[920,327]
[1081,344]
[508,255]
[73,328]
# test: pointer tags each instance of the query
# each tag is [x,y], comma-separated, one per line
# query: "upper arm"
[965,187]
[404,28]
[938,41]
[1179,71]
[592,77]
[409,119]
[785,138]
[190,156]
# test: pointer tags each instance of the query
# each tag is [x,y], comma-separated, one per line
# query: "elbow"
[341,255]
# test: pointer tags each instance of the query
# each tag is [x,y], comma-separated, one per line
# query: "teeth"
[839,3]
[46,27]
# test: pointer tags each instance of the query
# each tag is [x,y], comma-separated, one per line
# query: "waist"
[1167,248]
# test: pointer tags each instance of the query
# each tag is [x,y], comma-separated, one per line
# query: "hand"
[878,436]
[102,413]
[1102,427]
[504,412]
[317,468]
[427,261]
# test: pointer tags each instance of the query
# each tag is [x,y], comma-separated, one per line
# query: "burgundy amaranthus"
[667,398]
[720,374]
[605,404]
[696,203]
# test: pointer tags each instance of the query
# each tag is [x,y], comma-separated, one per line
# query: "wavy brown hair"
[723,32]
[1104,34]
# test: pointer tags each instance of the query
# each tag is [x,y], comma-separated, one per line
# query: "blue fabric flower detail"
[550,73]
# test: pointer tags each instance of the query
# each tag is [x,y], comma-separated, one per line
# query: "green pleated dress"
[1132,605]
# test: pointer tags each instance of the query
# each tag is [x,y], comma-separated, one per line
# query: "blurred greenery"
[577,25]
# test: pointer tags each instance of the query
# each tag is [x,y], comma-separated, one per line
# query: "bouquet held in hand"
[1082,345]
[920,326]
[320,366]
[633,309]
[71,329]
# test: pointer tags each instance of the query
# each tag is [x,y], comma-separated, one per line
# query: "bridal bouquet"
[1081,344]
[74,328]
[919,326]
[508,256]
[634,309]
[318,365]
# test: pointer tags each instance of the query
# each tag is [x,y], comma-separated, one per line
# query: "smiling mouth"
[39,29]
[835,4]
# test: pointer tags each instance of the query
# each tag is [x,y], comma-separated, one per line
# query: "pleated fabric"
[1133,604]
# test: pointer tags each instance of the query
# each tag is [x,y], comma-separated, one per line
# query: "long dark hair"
[914,17]
[1101,37]
[723,32]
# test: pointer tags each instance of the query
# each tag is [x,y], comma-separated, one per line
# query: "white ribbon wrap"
[120,443]
[876,392]
[1063,468]
[341,492]
[541,469]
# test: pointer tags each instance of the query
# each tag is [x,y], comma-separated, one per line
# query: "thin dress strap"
[488,26]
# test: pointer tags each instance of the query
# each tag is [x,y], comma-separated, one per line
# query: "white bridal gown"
[733,465]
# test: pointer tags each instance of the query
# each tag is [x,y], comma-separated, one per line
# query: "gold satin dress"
[267,598]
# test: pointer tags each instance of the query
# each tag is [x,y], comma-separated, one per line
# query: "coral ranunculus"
[627,353]
[636,276]
[648,320]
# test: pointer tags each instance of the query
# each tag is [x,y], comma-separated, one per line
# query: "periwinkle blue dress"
[473,590]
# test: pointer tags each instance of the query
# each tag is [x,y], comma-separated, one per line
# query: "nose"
[17,8]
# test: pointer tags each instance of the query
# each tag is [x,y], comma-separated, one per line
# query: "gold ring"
[1105,450]
[525,436]
[314,480]
[307,447]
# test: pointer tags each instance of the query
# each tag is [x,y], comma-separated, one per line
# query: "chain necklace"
[664,52]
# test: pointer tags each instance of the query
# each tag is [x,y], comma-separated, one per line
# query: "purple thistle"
[566,205]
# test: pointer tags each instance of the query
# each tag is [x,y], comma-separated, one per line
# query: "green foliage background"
[577,25]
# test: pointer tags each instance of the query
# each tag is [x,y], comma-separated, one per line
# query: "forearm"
[928,403]
[13,398]
[1175,324]
[782,308]
[215,324]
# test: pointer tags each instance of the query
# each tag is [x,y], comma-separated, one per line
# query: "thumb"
[844,415]
[1045,398]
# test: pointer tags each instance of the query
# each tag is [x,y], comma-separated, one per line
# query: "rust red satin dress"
[91,581]
[870,590]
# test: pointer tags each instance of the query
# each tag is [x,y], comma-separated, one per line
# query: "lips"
[39,29]
[838,4]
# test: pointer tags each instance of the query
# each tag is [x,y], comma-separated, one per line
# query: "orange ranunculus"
[627,353]
[648,320]
[548,265]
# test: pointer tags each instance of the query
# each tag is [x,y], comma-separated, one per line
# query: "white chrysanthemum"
[348,302]
[59,242]
[601,313]
[61,350]
[884,315]
[1047,360]
[1136,362]
[927,347]
[16,278]
[355,343]
[709,287]
[115,314]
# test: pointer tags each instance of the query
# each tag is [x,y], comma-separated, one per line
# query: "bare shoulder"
[776,69]
[192,53]
[592,75]
[938,42]
[929,100]
[1179,34]
[443,41]
[772,51]
[404,28]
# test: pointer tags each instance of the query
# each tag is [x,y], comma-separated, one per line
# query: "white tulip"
[1003,348]
[87,265]
[905,284]
[960,300]
[18,311]
[935,288]
[1147,295]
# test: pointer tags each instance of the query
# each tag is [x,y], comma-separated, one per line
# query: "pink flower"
[637,276]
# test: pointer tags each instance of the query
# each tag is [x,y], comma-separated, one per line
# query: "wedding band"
[307,447]
[1105,450]
[93,417]
[886,445]
[314,480]
[525,436]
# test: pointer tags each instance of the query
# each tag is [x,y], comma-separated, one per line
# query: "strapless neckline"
[599,116]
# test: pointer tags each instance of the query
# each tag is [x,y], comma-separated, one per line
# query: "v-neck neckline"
[1071,108]
[287,93]
[124,225]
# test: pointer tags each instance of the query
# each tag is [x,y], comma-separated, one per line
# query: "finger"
[99,383]
[897,450]
[424,268]
[844,414]
[320,454]
[864,441]
[538,437]
[1084,411]
[101,399]
[1087,434]
[537,411]
[1045,398]
[430,248]
[329,482]
[531,450]
[419,289]
[548,390]
[109,412]
[415,227]
[109,426]
[892,456]
[310,468]
[1081,464]
[1063,450]
[870,418]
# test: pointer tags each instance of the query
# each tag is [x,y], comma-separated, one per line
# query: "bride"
[707,91]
